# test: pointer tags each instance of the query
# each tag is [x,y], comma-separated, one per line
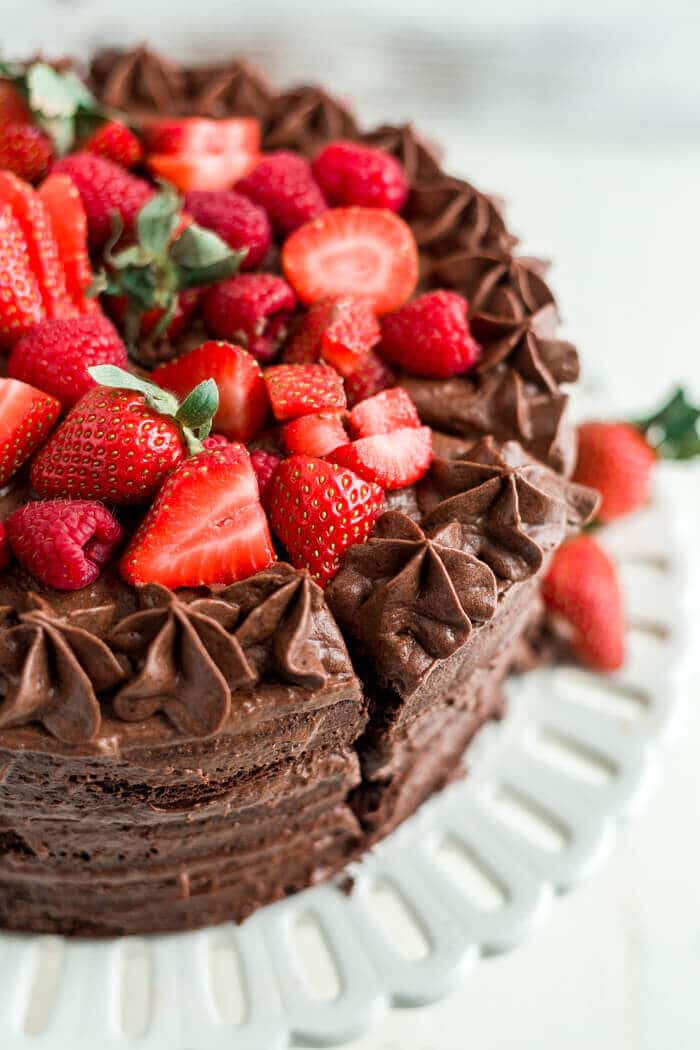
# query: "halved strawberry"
[26,418]
[206,526]
[192,135]
[316,435]
[390,410]
[392,460]
[367,253]
[318,510]
[21,303]
[243,400]
[65,207]
[341,331]
[371,376]
[299,390]
[201,171]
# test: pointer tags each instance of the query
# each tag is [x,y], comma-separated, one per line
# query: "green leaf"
[201,257]
[119,379]
[674,431]
[157,221]
[200,406]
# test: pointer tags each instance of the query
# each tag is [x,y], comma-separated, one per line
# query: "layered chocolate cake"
[180,746]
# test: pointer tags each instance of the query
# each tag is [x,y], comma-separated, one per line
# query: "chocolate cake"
[172,758]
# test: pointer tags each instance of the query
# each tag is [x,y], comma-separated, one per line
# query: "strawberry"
[235,219]
[210,171]
[122,439]
[390,410]
[105,188]
[150,322]
[116,142]
[5,555]
[21,302]
[55,355]
[243,401]
[282,183]
[371,376]
[350,173]
[13,107]
[63,543]
[264,464]
[368,253]
[25,151]
[206,526]
[318,510]
[392,460]
[69,223]
[299,390]
[42,247]
[615,459]
[26,418]
[198,153]
[341,331]
[581,587]
[252,309]
[431,336]
[315,435]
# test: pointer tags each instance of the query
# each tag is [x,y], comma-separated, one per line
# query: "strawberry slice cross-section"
[391,460]
[299,390]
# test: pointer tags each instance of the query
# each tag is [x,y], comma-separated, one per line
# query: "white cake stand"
[470,875]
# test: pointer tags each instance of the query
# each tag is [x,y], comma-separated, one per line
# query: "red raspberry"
[430,336]
[105,187]
[116,142]
[349,173]
[55,355]
[283,184]
[370,377]
[252,311]
[25,150]
[264,464]
[235,219]
[63,543]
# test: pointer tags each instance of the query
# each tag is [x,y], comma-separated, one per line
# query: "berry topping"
[318,510]
[430,336]
[383,413]
[122,439]
[615,459]
[264,464]
[243,401]
[5,554]
[392,460]
[25,150]
[370,377]
[235,219]
[69,223]
[368,253]
[55,355]
[252,310]
[206,525]
[116,142]
[581,587]
[315,435]
[282,183]
[26,417]
[198,153]
[349,173]
[299,390]
[62,543]
[341,331]
[13,107]
[105,188]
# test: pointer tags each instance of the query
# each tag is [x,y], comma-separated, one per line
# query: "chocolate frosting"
[410,597]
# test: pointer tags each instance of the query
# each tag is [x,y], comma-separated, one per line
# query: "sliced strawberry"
[243,400]
[390,410]
[26,418]
[341,331]
[65,207]
[206,526]
[299,390]
[371,376]
[392,460]
[367,253]
[197,135]
[318,510]
[201,171]
[21,302]
[315,435]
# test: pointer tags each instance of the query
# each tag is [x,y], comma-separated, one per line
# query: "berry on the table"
[615,459]
[350,173]
[393,460]
[26,418]
[235,219]
[283,184]
[430,336]
[299,390]
[389,410]
[252,310]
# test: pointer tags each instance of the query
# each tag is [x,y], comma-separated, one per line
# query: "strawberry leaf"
[201,257]
[674,431]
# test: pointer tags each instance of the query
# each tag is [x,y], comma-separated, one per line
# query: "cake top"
[237,330]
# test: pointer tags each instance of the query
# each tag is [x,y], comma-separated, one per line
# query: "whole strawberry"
[430,336]
[25,150]
[122,439]
[116,142]
[105,188]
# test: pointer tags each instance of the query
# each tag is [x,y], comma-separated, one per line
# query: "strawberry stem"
[673,431]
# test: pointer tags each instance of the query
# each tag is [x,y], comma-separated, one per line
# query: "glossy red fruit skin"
[615,459]
[26,418]
[251,310]
[350,173]
[392,460]
[314,435]
[236,219]
[116,142]
[105,187]
[63,543]
[25,150]
[430,336]
[69,222]
[111,447]
[283,184]
[386,411]
[264,464]
[55,355]
[341,331]
[300,390]
[370,377]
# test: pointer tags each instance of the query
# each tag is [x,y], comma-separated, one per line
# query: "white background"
[586,117]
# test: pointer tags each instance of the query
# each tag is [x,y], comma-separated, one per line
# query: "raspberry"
[105,187]
[55,355]
[63,543]
[252,310]
[264,464]
[4,547]
[283,184]
[430,336]
[370,377]
[349,173]
[237,220]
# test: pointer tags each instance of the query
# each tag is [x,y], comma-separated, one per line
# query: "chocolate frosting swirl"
[53,667]
[409,597]
[306,118]
[139,81]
